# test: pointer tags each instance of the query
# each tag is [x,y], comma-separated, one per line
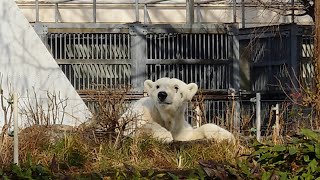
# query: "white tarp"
[27,67]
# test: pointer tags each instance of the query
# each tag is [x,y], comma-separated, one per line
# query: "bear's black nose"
[162,95]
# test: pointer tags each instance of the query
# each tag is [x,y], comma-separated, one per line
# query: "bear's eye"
[176,88]
[157,86]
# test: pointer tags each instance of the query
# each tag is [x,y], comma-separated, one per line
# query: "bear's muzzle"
[162,95]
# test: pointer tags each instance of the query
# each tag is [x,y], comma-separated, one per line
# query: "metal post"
[234,11]
[16,129]
[139,57]
[258,115]
[137,11]
[94,9]
[198,13]
[277,123]
[235,68]
[56,12]
[292,13]
[145,13]
[190,11]
[37,10]
[243,13]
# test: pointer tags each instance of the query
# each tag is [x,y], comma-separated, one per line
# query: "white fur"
[164,119]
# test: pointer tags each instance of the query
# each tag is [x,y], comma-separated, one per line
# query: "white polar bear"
[162,113]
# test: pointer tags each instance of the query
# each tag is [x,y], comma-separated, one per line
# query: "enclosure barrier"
[213,56]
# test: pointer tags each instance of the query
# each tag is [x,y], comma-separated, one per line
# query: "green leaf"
[266,175]
[283,175]
[317,151]
[279,148]
[160,175]
[313,165]
[306,158]
[310,147]
[173,176]
[150,172]
[293,150]
[265,156]
[310,134]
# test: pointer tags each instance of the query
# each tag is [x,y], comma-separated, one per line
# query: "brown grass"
[42,147]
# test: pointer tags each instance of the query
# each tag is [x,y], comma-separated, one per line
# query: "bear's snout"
[162,95]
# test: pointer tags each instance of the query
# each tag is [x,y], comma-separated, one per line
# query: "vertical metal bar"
[182,46]
[174,46]
[191,35]
[205,46]
[156,44]
[145,12]
[129,45]
[292,13]
[166,52]
[234,11]
[169,47]
[258,115]
[37,10]
[56,46]
[106,46]
[110,46]
[60,48]
[74,46]
[187,46]
[137,10]
[201,45]
[56,12]
[150,45]
[16,130]
[243,13]
[65,46]
[190,11]
[213,46]
[160,46]
[94,10]
[90,54]
[198,13]
[102,47]
[70,44]
[226,44]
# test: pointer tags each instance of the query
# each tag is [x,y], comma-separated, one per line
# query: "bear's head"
[170,93]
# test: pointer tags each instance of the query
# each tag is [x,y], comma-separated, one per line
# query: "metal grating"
[93,76]
[188,46]
[207,76]
[268,79]
[89,45]
[307,72]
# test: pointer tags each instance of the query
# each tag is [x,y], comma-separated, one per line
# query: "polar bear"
[162,113]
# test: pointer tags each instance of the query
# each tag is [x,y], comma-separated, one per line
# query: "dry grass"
[73,153]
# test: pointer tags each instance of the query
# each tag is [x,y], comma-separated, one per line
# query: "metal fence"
[212,56]
[279,57]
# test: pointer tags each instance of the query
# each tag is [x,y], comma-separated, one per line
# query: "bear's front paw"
[164,136]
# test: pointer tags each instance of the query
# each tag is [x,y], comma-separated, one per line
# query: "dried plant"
[108,104]
[43,111]
[7,108]
[199,110]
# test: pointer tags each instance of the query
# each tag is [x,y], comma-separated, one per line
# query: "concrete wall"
[166,12]
[26,67]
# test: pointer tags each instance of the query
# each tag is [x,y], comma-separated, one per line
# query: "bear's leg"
[212,131]
[157,132]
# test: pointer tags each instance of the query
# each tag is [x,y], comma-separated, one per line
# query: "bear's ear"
[192,90]
[148,84]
